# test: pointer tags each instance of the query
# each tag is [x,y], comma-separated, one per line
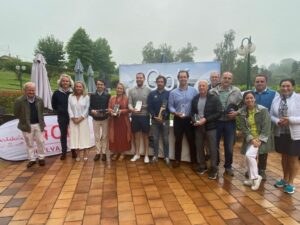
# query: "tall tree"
[225,52]
[52,49]
[80,46]
[240,70]
[102,59]
[157,55]
[186,54]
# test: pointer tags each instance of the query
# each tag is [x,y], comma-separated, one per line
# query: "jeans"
[63,123]
[227,130]
[163,128]
[202,136]
[181,127]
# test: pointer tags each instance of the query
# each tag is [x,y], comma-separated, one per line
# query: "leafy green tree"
[52,49]
[80,46]
[102,59]
[186,54]
[240,70]
[226,53]
[157,55]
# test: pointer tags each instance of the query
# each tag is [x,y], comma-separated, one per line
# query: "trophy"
[116,110]
[196,118]
[182,109]
[162,109]
[138,105]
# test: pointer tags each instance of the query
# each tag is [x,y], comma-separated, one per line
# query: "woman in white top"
[285,114]
[78,108]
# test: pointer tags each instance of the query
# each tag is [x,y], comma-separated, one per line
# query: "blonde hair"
[83,85]
[67,76]
[123,86]
[29,84]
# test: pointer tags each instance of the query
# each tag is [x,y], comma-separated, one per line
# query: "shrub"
[7,99]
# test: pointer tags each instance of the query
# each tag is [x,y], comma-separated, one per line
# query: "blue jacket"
[154,102]
[265,98]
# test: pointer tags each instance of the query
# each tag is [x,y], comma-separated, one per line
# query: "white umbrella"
[91,81]
[39,76]
[78,71]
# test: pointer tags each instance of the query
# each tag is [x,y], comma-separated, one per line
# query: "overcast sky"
[129,25]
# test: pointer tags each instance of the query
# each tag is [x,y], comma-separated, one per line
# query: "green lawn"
[9,81]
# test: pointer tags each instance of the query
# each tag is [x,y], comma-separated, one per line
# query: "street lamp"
[19,73]
[246,50]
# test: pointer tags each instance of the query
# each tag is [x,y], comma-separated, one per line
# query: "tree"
[225,52]
[102,59]
[52,49]
[157,55]
[186,54]
[240,70]
[80,46]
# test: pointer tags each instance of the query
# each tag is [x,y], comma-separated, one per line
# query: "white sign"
[12,144]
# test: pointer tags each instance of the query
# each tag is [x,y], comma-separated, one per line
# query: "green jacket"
[22,112]
[263,126]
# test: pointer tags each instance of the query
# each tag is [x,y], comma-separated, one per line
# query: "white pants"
[37,136]
[251,161]
[101,136]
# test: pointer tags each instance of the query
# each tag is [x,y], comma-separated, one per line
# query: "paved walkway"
[69,192]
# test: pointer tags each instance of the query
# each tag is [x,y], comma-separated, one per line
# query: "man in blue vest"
[264,96]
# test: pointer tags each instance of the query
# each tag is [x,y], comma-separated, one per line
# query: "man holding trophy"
[206,110]
[158,109]
[180,102]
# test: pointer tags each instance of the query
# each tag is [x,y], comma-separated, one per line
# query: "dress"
[79,133]
[119,126]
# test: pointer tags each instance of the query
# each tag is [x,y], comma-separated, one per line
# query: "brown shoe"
[103,157]
[97,157]
[30,164]
[42,162]
[176,164]
[74,154]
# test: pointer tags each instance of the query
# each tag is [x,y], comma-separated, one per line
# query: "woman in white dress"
[78,108]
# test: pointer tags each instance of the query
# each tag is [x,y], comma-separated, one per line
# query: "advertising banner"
[197,71]
[12,144]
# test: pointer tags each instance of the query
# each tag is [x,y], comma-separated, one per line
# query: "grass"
[9,81]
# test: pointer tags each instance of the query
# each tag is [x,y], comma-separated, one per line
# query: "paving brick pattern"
[70,192]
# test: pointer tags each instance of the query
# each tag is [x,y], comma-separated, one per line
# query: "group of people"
[267,119]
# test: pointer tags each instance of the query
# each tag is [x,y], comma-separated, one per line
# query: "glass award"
[138,105]
[196,118]
[116,110]
[182,109]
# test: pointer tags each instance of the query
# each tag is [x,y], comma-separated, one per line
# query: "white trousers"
[35,135]
[251,161]
[101,133]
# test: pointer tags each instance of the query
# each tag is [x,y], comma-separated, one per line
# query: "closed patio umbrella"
[39,76]
[78,71]
[91,81]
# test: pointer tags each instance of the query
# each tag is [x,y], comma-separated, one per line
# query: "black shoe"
[42,162]
[262,173]
[201,170]
[175,164]
[63,157]
[212,174]
[229,172]
[207,157]
[103,157]
[247,174]
[74,154]
[97,157]
[30,164]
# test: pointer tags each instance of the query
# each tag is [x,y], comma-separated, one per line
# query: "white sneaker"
[154,159]
[256,183]
[167,160]
[248,182]
[134,158]
[146,159]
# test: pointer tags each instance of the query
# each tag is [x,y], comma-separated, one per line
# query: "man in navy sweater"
[60,105]
[264,96]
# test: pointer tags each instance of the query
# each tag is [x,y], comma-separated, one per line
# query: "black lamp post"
[19,73]
[246,50]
